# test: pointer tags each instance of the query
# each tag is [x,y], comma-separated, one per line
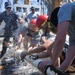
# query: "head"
[54,18]
[8,5]
[43,23]
[32,25]
[33,9]
[32,28]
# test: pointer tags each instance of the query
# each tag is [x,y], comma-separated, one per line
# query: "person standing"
[11,26]
[64,21]
[32,15]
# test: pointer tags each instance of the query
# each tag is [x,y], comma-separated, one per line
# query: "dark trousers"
[7,35]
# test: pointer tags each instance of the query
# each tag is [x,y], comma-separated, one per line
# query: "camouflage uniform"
[11,26]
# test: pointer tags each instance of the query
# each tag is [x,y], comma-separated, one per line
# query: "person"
[10,19]
[48,38]
[21,35]
[17,32]
[29,35]
[43,22]
[32,35]
[32,15]
[70,0]
[64,22]
[47,34]
[45,26]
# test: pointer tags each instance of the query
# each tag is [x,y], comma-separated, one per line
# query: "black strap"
[45,69]
[59,72]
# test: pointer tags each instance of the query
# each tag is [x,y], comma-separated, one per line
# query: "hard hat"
[32,25]
[33,22]
[40,20]
[7,4]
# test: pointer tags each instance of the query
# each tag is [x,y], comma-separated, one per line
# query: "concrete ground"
[24,68]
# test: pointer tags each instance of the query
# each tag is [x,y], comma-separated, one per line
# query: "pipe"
[49,72]
[33,62]
[36,64]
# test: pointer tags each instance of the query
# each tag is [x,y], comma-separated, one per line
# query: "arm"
[35,50]
[1,18]
[43,55]
[41,48]
[26,41]
[20,20]
[59,41]
[19,41]
[21,35]
[40,55]
[26,20]
[46,44]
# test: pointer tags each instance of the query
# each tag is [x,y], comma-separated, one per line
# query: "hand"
[16,47]
[30,48]
[23,54]
[21,21]
[18,54]
[44,39]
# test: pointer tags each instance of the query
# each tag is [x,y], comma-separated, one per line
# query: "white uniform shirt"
[31,16]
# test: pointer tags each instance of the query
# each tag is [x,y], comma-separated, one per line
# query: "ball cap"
[54,18]
[41,20]
[32,8]
[7,5]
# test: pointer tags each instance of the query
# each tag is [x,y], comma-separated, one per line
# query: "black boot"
[3,51]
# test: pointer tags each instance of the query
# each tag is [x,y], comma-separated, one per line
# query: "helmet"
[40,20]
[7,4]
[33,21]
[32,25]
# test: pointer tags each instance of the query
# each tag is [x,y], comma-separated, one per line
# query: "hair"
[32,8]
[54,18]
